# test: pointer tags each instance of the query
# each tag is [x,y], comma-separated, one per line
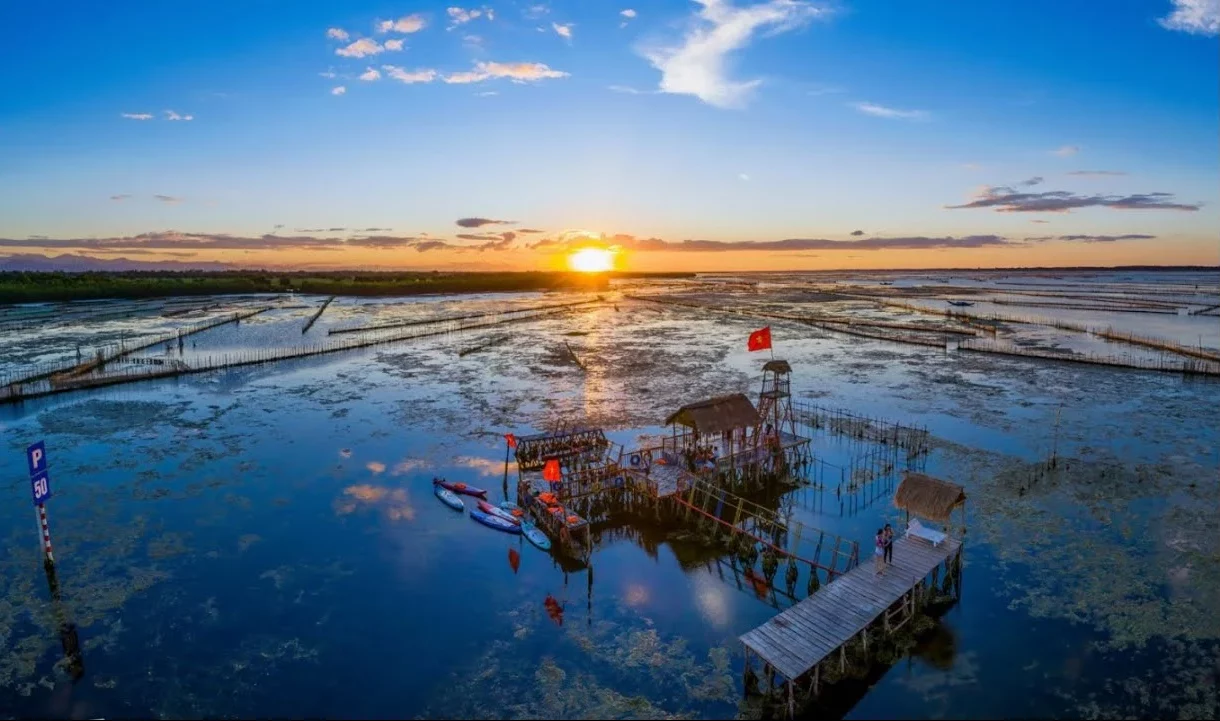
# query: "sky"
[706,135]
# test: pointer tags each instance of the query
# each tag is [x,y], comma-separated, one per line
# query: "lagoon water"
[263,541]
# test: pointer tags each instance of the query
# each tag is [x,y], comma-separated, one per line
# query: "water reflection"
[394,501]
[74,661]
[711,601]
[938,647]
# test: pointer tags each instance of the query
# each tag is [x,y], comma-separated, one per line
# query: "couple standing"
[884,554]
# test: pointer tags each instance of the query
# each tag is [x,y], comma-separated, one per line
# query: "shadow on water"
[937,647]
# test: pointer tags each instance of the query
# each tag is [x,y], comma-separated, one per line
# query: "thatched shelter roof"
[779,366]
[716,415]
[928,497]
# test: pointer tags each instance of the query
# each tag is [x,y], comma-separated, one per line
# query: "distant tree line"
[30,287]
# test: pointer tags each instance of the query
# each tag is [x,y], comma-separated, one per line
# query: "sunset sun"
[591,260]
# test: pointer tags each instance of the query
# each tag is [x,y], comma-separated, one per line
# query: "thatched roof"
[779,366]
[928,497]
[716,415]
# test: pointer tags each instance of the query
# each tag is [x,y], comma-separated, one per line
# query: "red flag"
[512,440]
[550,472]
[759,339]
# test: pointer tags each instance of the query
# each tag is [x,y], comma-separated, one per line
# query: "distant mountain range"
[70,263]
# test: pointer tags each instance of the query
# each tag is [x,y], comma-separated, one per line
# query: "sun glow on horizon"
[591,260]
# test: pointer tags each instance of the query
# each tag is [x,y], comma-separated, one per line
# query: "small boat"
[449,498]
[494,522]
[534,535]
[491,510]
[961,303]
[459,487]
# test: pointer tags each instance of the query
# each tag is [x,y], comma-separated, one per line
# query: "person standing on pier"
[879,552]
[888,533]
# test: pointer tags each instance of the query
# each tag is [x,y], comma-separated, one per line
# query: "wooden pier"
[794,644]
[797,640]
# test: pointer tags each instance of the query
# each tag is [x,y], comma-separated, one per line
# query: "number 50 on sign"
[41,486]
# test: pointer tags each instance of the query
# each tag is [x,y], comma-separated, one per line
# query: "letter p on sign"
[37,457]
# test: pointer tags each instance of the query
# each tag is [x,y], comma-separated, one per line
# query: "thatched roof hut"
[716,415]
[928,497]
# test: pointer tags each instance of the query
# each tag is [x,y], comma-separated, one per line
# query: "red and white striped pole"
[46,533]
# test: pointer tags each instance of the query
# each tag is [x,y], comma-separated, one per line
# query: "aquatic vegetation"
[278,509]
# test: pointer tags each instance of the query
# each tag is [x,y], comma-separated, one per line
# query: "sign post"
[40,486]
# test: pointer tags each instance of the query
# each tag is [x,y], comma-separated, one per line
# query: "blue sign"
[41,486]
[37,457]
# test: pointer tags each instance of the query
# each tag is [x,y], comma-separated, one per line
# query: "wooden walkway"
[797,640]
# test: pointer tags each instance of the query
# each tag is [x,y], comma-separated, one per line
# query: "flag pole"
[505,484]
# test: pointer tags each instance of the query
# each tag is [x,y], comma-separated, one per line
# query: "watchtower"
[775,399]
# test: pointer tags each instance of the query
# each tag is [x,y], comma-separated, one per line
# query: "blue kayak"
[494,522]
[534,535]
[449,498]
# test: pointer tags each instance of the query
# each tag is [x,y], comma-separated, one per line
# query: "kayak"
[517,511]
[491,510]
[534,535]
[459,487]
[494,522]
[449,498]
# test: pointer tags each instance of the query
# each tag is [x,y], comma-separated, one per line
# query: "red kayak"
[459,487]
[491,510]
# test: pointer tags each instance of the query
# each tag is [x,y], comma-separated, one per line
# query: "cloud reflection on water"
[394,501]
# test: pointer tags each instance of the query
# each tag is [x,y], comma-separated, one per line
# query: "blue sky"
[270,123]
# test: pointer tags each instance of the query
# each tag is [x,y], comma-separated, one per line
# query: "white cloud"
[628,90]
[409,77]
[171,115]
[517,72]
[880,111]
[360,48]
[393,44]
[1198,17]
[628,13]
[328,74]
[338,90]
[1067,151]
[137,116]
[458,16]
[370,74]
[563,31]
[405,24]
[337,34]
[533,12]
[487,93]
[699,65]
[744,177]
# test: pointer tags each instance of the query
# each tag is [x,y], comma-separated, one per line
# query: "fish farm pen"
[718,454]
[704,480]
[1191,360]
[78,376]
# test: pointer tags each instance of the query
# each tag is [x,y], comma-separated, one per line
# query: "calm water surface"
[264,542]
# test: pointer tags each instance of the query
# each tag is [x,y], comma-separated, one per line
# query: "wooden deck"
[797,640]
